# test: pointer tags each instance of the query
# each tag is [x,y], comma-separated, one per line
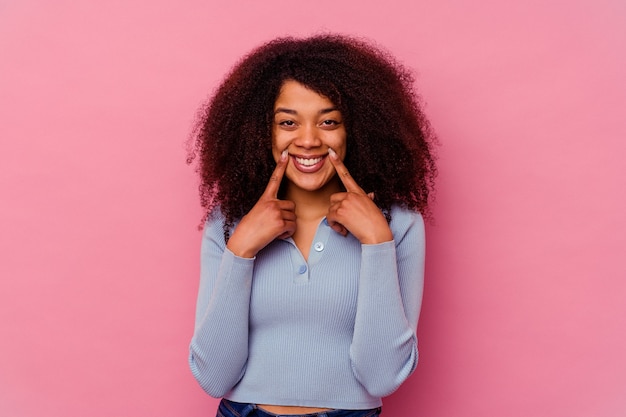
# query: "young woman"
[316,166]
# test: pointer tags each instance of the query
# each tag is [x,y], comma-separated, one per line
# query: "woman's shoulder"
[404,220]
[404,214]
[214,225]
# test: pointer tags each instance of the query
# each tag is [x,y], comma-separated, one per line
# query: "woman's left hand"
[354,210]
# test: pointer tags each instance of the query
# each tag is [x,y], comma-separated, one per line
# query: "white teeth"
[308,162]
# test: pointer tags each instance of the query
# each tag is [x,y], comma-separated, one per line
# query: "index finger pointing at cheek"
[344,174]
[274,183]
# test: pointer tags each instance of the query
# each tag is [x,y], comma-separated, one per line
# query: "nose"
[308,137]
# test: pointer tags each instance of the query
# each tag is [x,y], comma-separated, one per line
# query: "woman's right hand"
[269,219]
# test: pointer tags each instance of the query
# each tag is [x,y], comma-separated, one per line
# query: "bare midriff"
[287,409]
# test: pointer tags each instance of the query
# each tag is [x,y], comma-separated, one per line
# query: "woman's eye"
[330,123]
[287,123]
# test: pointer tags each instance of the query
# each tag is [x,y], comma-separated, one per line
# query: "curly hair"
[389,140]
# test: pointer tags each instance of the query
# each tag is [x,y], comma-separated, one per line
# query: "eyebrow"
[291,111]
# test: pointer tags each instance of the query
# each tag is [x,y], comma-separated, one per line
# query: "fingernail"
[283,156]
[332,153]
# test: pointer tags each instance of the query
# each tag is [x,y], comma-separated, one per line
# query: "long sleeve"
[219,347]
[384,345]
[347,314]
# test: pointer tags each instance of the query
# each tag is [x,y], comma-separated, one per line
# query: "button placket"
[320,242]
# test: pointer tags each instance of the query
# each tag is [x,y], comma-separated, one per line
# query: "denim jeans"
[232,409]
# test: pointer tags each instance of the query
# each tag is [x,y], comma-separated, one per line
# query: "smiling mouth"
[308,165]
[307,162]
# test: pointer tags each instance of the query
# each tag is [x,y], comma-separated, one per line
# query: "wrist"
[376,238]
[239,250]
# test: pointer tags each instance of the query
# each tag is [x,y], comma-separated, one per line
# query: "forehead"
[295,95]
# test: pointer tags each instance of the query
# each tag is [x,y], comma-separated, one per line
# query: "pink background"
[524,312]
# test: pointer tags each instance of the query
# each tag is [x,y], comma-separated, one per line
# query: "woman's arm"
[219,347]
[384,345]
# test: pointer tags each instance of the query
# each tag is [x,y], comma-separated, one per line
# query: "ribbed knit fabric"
[338,331]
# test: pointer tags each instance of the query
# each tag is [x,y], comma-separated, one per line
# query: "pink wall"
[524,312]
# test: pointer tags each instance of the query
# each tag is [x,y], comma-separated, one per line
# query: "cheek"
[339,145]
[276,146]
[279,140]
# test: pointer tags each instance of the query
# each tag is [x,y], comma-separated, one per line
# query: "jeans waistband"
[229,408]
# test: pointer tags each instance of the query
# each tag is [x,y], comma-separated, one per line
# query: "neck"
[313,204]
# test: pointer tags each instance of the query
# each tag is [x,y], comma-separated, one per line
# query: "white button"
[319,246]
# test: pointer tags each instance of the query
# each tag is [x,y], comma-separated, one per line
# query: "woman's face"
[306,124]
